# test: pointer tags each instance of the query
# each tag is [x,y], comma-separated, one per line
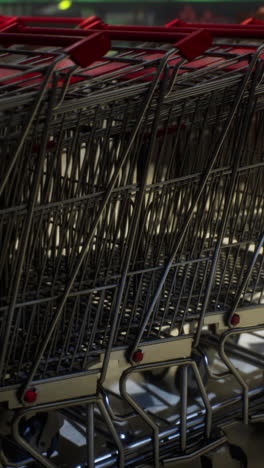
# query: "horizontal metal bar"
[219,172]
[184,458]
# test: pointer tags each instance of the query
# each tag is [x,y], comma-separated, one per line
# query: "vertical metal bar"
[184,403]
[233,369]
[90,435]
[112,429]
[205,399]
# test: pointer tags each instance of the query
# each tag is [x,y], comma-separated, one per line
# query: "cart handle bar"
[82,50]
[190,45]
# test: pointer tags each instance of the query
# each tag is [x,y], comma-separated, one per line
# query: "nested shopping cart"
[131,218]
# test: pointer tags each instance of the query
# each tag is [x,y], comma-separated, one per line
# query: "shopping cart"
[131,217]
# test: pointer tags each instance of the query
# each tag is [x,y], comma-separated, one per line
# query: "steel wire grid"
[56,189]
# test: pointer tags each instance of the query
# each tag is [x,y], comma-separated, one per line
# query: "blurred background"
[149,12]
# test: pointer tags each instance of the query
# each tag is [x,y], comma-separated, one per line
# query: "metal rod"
[90,435]
[208,407]
[184,404]
[113,431]
[197,453]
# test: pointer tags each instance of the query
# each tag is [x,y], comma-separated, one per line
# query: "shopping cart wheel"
[193,386]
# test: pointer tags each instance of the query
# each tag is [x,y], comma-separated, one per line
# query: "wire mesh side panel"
[68,161]
[81,150]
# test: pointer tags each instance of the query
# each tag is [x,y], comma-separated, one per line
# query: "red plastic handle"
[190,45]
[195,44]
[89,49]
[82,50]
